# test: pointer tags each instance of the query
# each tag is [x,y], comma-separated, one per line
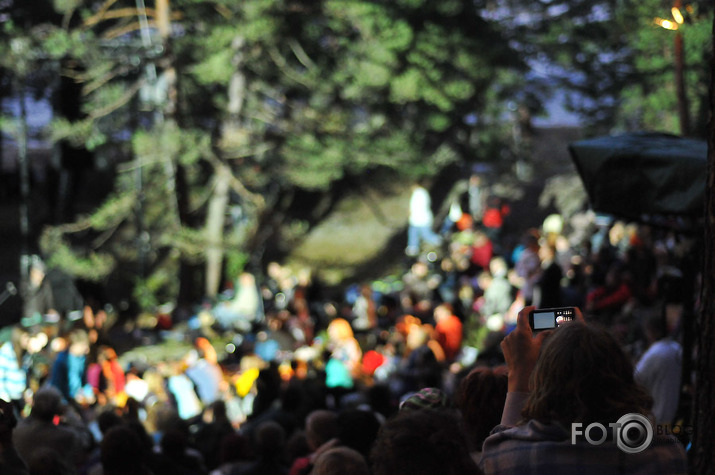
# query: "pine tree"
[209,106]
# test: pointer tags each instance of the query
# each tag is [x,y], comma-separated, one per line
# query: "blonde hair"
[339,329]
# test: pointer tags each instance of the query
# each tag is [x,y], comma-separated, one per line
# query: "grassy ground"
[366,235]
[367,230]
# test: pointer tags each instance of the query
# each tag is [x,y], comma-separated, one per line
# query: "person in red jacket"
[493,219]
[608,299]
[448,330]
[482,250]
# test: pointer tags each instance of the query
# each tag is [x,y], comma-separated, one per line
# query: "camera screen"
[543,321]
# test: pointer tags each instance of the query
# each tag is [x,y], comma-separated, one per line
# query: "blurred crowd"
[287,376]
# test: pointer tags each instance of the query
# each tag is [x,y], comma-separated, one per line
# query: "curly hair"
[583,375]
[480,398]
[422,442]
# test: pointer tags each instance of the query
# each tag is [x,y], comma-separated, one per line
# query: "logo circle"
[634,433]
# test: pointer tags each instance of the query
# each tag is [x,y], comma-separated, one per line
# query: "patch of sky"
[507,15]
[556,10]
[470,119]
[557,112]
[599,13]
[39,111]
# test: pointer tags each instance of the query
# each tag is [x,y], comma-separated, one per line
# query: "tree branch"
[256,151]
[91,86]
[129,12]
[283,66]
[118,103]
[235,183]
[79,226]
[100,14]
[104,237]
[300,53]
[123,30]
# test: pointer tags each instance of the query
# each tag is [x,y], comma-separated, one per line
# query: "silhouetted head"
[425,441]
[320,427]
[480,399]
[47,403]
[121,452]
[582,375]
[340,461]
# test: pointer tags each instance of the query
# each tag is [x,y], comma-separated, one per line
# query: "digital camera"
[541,319]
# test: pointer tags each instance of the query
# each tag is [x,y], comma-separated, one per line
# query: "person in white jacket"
[420,222]
[660,369]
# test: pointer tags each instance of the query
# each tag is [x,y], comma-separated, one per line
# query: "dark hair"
[320,426]
[358,429]
[340,461]
[234,447]
[219,410]
[108,419]
[422,442]
[480,398]
[121,451]
[583,375]
[270,439]
[655,324]
[47,403]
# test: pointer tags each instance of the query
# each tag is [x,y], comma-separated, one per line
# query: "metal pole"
[24,167]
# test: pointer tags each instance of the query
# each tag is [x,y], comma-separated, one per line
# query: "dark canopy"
[643,176]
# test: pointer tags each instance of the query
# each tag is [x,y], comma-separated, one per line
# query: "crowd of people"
[428,371]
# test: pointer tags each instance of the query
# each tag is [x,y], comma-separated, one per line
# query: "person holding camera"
[573,405]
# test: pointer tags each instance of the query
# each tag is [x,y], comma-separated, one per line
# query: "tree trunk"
[219,200]
[703,452]
[215,219]
[168,110]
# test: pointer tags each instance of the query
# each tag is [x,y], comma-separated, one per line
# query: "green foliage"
[9,125]
[159,287]
[66,6]
[78,133]
[651,102]
[191,243]
[235,263]
[313,164]
[58,43]
[113,211]
[215,69]
[327,90]
[615,65]
[94,266]
[87,265]
[168,141]
[332,89]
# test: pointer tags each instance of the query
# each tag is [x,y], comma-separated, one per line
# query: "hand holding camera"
[550,318]
[521,347]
